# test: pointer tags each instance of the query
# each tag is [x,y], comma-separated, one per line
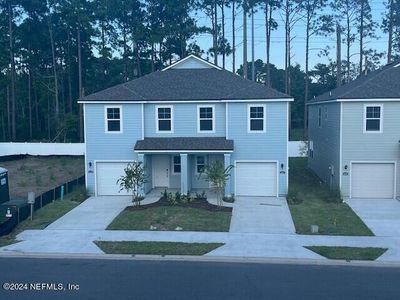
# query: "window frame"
[212,106]
[196,164]
[173,164]
[171,107]
[106,107]
[249,106]
[319,117]
[380,118]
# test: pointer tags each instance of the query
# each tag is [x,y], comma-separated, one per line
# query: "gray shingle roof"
[187,84]
[382,83]
[185,143]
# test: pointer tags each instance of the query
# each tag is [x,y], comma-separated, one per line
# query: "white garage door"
[256,179]
[372,180]
[107,174]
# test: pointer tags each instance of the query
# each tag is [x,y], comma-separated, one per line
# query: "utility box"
[4,188]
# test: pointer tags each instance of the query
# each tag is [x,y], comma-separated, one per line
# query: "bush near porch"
[315,204]
[198,215]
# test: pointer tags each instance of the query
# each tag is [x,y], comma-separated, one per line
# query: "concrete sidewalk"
[262,215]
[236,244]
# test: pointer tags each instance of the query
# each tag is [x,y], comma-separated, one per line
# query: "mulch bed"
[196,203]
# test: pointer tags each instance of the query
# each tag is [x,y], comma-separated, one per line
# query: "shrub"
[201,196]
[294,196]
[229,199]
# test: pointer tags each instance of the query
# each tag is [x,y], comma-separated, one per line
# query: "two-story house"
[354,134]
[180,119]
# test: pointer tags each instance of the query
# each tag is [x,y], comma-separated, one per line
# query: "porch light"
[282,166]
[346,167]
[90,167]
[8,213]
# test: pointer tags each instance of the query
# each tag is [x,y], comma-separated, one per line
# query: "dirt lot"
[40,174]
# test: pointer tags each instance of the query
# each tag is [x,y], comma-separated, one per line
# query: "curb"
[200,259]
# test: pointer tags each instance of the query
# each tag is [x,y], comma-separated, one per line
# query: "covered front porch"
[177,163]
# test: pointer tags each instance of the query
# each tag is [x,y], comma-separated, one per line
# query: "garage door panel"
[372,180]
[256,179]
[107,174]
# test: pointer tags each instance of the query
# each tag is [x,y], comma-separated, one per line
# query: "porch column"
[184,174]
[227,163]
[140,158]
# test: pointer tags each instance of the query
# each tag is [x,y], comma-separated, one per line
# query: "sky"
[278,39]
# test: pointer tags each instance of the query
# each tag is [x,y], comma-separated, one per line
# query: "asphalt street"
[66,278]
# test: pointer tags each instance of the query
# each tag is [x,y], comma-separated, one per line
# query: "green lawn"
[170,217]
[297,135]
[348,253]
[46,215]
[157,248]
[318,206]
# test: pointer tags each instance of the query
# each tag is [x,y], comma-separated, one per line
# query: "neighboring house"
[182,118]
[354,134]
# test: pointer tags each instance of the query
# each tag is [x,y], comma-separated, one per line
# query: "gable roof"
[185,84]
[383,83]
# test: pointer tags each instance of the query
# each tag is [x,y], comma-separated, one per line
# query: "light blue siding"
[271,145]
[268,146]
[325,141]
[110,146]
[360,146]
[185,120]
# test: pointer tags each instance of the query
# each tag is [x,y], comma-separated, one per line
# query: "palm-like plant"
[217,175]
[133,179]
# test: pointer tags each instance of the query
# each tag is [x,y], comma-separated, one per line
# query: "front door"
[160,170]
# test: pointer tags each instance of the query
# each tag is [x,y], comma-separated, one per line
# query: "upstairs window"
[176,164]
[205,118]
[373,118]
[256,118]
[113,119]
[200,163]
[164,118]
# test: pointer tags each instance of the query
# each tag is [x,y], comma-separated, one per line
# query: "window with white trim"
[319,116]
[176,164]
[373,116]
[200,163]
[113,119]
[256,118]
[164,119]
[206,118]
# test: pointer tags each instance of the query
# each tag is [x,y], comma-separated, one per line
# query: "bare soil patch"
[40,174]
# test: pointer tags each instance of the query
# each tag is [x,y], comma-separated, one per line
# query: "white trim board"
[183,151]
[356,100]
[186,101]
[187,58]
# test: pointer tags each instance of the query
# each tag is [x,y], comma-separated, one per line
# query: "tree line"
[53,52]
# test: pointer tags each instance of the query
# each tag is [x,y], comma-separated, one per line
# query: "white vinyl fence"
[42,149]
[296,149]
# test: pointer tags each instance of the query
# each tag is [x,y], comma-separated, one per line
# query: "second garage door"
[107,174]
[256,179]
[372,180]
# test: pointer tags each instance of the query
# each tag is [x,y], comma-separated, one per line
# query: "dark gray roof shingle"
[382,83]
[187,84]
[184,143]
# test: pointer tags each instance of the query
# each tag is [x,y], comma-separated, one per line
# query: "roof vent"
[330,93]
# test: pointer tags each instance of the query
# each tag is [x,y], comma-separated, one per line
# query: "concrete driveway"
[261,215]
[95,213]
[382,216]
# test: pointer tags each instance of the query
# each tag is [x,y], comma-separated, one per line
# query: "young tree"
[133,180]
[217,175]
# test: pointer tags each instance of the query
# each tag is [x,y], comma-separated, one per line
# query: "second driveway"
[382,216]
[261,215]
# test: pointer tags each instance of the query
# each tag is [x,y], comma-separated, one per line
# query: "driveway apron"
[261,215]
[382,216]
